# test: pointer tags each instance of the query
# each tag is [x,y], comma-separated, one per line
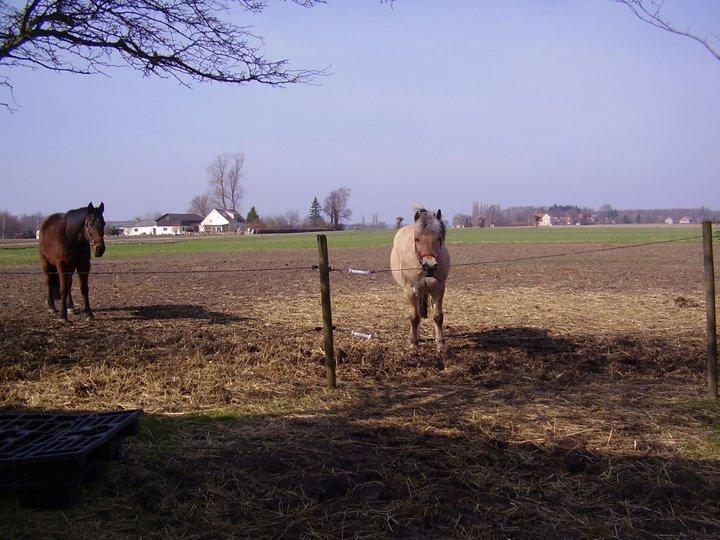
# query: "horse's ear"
[101,208]
[417,215]
[90,207]
[438,214]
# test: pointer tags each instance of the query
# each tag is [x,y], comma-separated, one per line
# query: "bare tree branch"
[188,40]
[650,12]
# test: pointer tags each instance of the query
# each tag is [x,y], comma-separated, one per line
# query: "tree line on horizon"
[481,215]
[19,226]
[485,215]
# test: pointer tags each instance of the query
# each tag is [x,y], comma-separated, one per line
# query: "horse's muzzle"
[429,267]
[99,249]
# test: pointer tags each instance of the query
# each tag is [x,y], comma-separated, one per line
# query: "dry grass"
[571,404]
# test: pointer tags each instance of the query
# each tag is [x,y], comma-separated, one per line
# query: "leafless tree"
[289,219]
[25,225]
[461,220]
[478,214]
[650,11]
[225,172]
[292,218]
[188,40]
[201,205]
[486,214]
[336,206]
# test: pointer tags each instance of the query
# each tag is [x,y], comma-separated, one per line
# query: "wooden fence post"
[324,267]
[712,371]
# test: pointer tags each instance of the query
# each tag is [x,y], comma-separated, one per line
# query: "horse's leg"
[414,320]
[71,304]
[52,283]
[438,320]
[66,273]
[83,276]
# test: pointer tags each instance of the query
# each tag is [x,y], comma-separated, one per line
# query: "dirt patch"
[565,407]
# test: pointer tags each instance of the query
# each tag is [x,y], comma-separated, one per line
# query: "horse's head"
[95,228]
[429,238]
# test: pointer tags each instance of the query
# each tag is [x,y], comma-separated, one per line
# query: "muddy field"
[571,403]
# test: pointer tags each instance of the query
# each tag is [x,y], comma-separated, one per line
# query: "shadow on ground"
[533,340]
[534,357]
[400,462]
[173,311]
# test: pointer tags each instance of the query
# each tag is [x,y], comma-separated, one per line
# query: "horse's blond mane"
[427,221]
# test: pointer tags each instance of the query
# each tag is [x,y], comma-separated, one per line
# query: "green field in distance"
[11,255]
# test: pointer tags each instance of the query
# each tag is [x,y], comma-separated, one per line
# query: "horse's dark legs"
[66,273]
[53,284]
[83,276]
[71,304]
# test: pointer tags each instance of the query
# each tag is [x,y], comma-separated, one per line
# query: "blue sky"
[511,102]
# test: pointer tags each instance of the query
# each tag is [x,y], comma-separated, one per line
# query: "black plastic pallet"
[43,457]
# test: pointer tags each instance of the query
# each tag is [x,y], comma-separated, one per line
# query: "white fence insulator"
[360,272]
[363,335]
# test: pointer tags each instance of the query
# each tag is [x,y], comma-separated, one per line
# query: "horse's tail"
[53,280]
[423,305]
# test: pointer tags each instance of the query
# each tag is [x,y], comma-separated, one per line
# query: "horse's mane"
[427,221]
[74,219]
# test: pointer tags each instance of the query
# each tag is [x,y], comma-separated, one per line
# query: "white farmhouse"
[167,224]
[685,220]
[140,227]
[545,221]
[221,220]
[669,221]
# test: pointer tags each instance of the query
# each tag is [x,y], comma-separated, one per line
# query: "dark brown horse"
[65,244]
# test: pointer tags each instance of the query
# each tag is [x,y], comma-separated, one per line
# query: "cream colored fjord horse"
[421,264]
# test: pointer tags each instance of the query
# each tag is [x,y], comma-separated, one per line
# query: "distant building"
[669,221]
[167,224]
[221,220]
[178,223]
[117,228]
[140,227]
[685,220]
[545,221]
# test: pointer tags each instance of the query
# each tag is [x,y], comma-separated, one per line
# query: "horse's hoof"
[52,311]
[441,349]
[77,311]
[63,320]
[90,314]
